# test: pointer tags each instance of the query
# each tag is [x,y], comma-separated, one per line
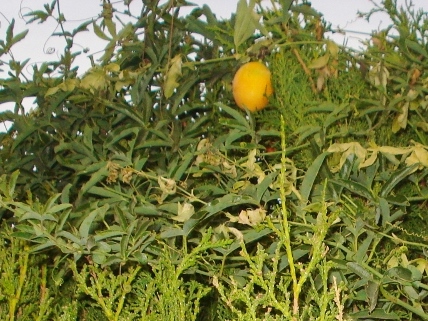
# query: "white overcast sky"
[40,46]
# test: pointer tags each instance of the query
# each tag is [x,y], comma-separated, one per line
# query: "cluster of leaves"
[145,186]
[33,290]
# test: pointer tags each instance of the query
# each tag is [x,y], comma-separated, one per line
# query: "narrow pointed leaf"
[355,188]
[87,222]
[359,270]
[396,178]
[311,175]
[235,114]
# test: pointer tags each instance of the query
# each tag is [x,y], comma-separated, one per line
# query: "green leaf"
[154,143]
[124,241]
[375,314]
[87,138]
[319,62]
[19,37]
[126,31]
[118,134]
[384,211]
[412,293]
[76,147]
[244,25]
[216,207]
[71,237]
[22,135]
[268,132]
[12,184]
[311,175]
[144,241]
[264,185]
[81,27]
[50,202]
[347,167]
[121,218]
[9,32]
[371,173]
[62,220]
[146,210]
[31,215]
[28,236]
[171,233]
[178,171]
[99,258]
[249,236]
[132,113]
[372,291]
[140,258]
[416,47]
[106,192]
[298,253]
[46,244]
[108,52]
[305,132]
[96,177]
[85,226]
[355,188]
[172,75]
[111,27]
[306,9]
[58,208]
[359,270]
[235,114]
[363,247]
[100,33]
[286,5]
[400,275]
[94,80]
[109,234]
[22,207]
[36,14]
[399,200]
[232,136]
[396,178]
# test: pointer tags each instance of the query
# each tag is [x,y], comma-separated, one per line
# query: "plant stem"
[395,300]
[396,239]
[305,69]
[126,288]
[285,225]
[23,264]
[208,61]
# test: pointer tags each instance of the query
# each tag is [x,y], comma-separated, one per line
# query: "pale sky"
[40,46]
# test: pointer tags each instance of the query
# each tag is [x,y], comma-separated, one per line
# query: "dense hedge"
[140,191]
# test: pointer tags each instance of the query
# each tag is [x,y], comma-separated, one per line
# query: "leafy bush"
[139,191]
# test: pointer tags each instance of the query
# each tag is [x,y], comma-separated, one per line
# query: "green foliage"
[267,293]
[138,192]
[138,294]
[24,294]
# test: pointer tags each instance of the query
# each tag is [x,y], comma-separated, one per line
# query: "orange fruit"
[252,86]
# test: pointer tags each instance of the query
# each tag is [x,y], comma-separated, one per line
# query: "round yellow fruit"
[252,86]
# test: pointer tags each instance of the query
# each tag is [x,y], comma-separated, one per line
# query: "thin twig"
[305,69]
